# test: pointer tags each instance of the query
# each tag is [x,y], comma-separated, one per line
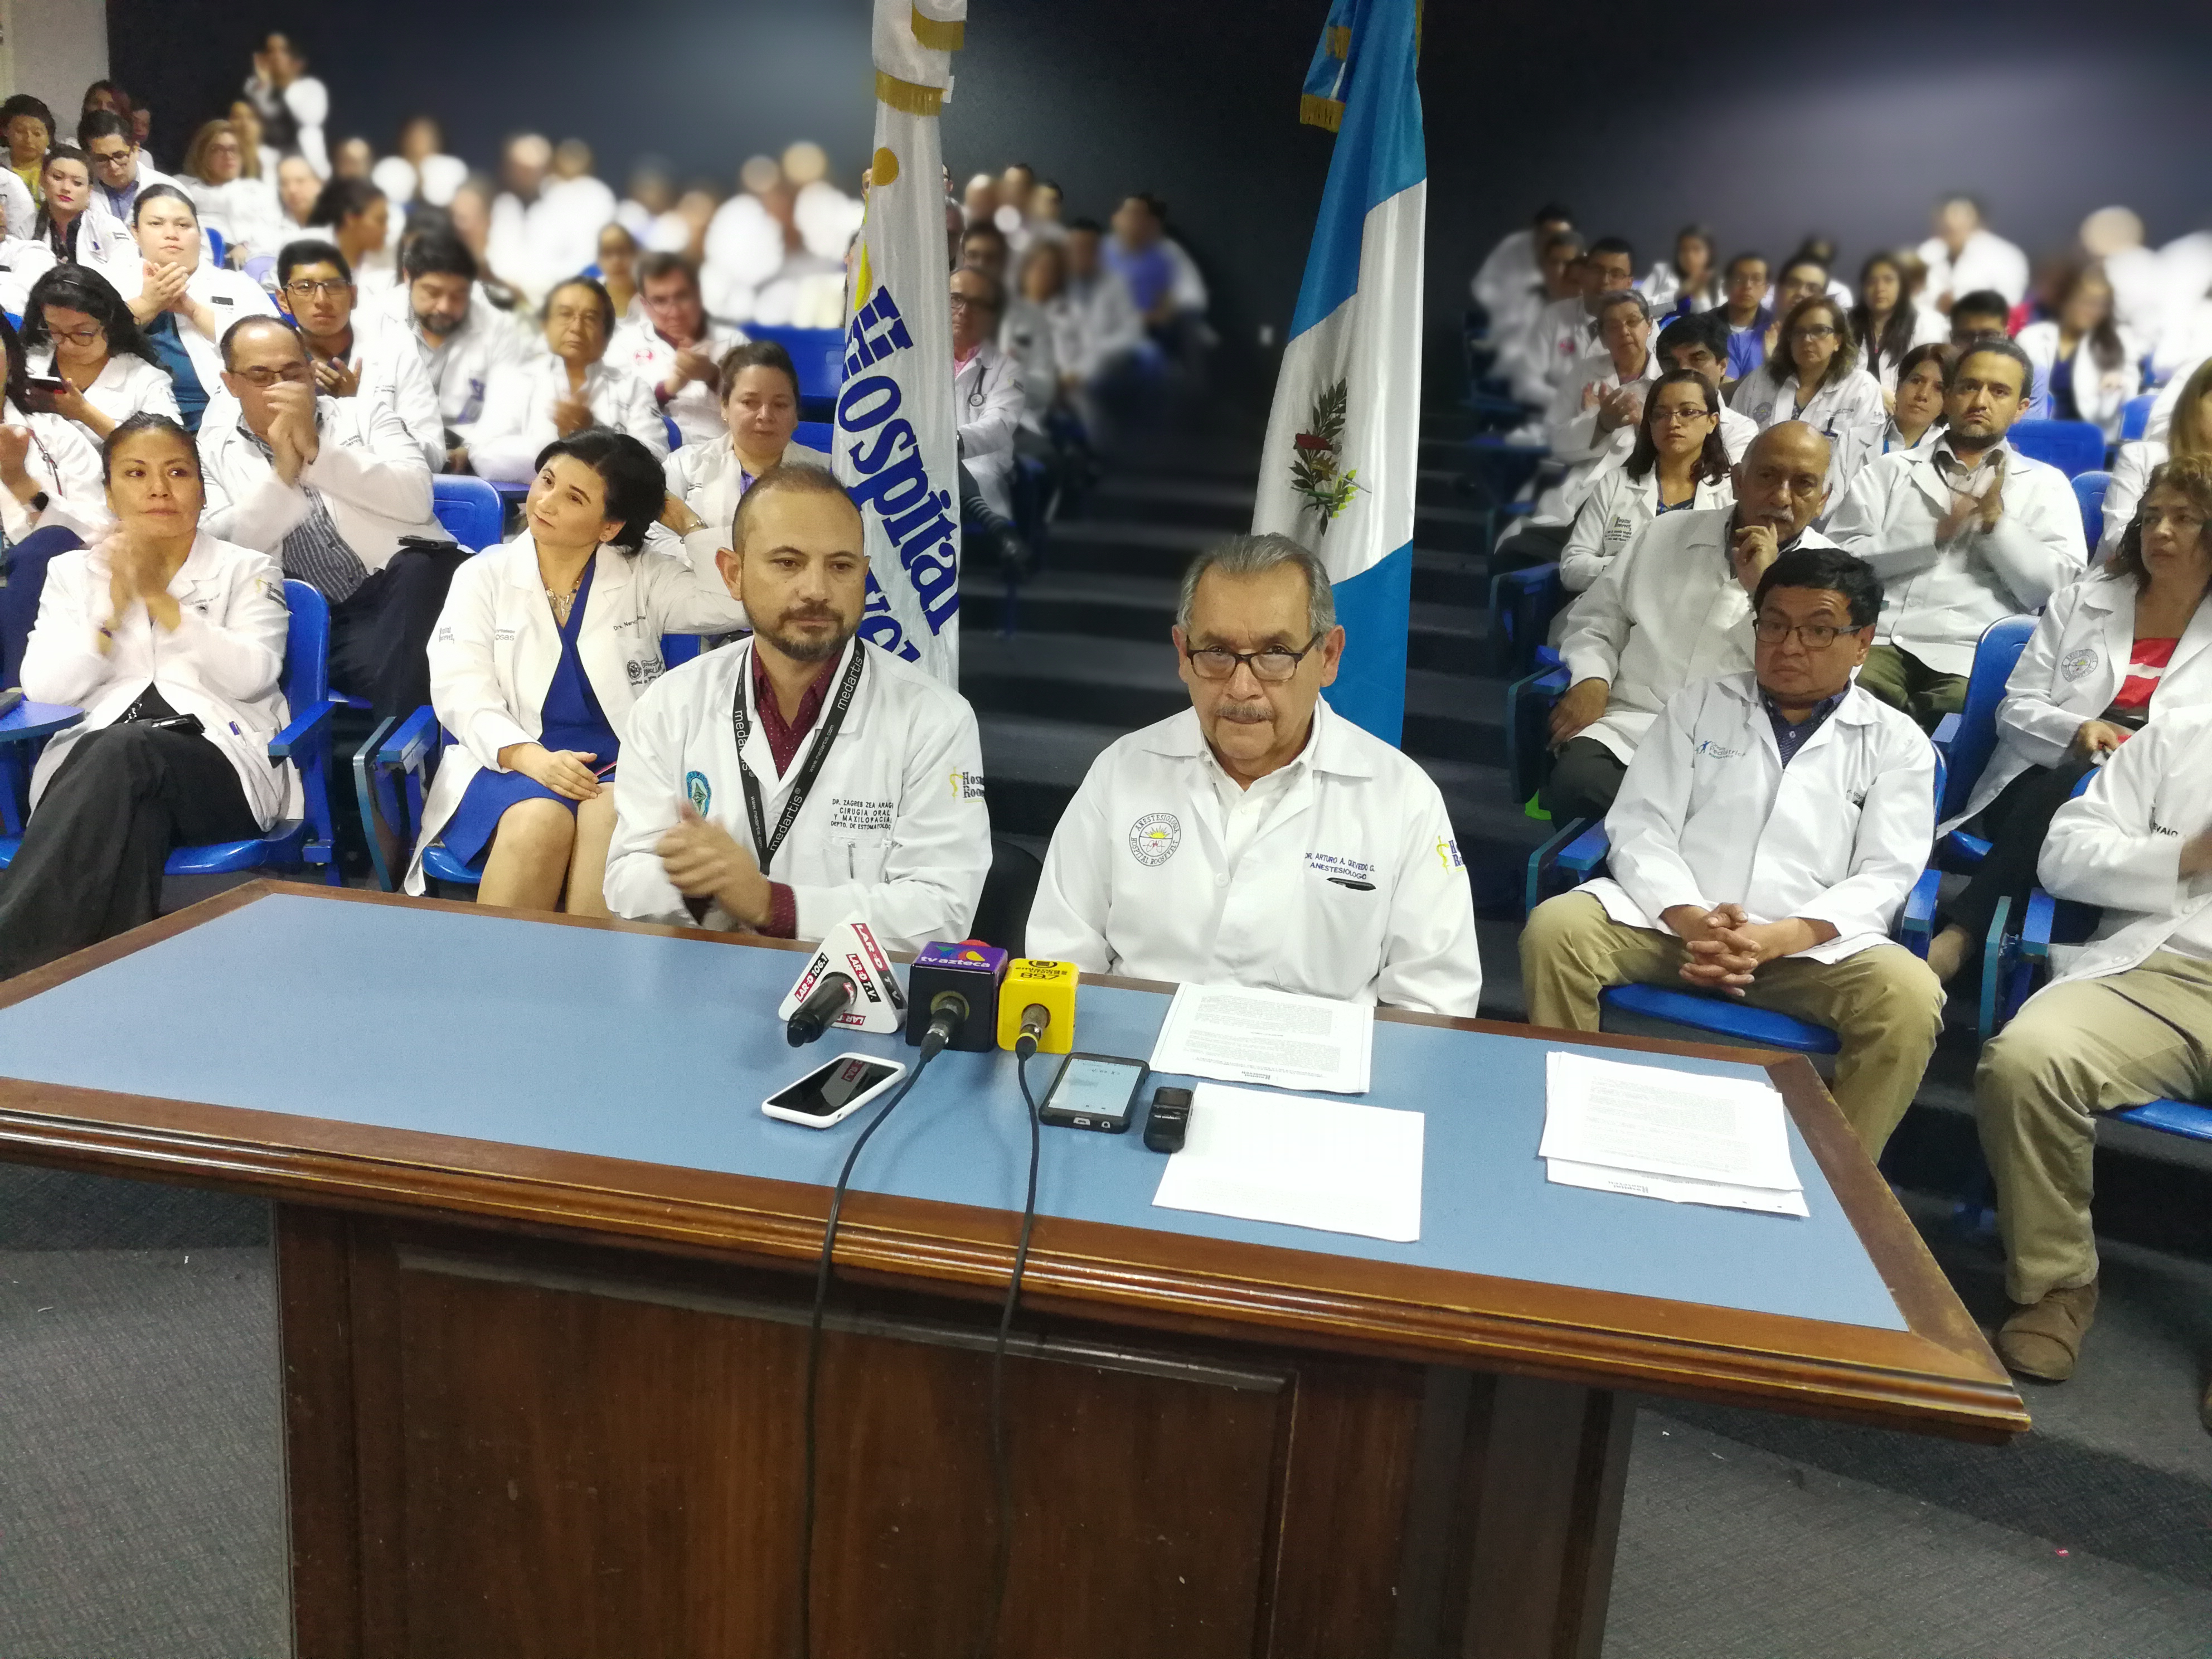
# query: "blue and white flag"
[1343,440]
[897,443]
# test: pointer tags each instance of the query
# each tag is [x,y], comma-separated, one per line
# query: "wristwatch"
[39,502]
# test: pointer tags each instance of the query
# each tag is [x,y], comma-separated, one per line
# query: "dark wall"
[1768,122]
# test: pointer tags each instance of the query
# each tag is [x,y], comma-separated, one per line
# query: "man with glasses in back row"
[1260,838]
[315,283]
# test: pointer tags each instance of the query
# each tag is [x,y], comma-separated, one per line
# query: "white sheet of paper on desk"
[1654,1121]
[1269,1037]
[1637,1184]
[1323,1164]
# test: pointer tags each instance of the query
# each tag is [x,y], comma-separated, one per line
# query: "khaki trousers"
[1903,681]
[2091,1045]
[1884,1003]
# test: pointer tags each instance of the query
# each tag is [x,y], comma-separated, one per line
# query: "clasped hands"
[1985,508]
[704,860]
[1727,947]
[292,435]
[137,571]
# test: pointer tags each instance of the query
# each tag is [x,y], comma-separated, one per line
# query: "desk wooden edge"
[1938,1377]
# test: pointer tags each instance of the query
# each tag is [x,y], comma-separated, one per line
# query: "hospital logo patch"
[1154,837]
[1447,853]
[2078,662]
[698,791]
[967,786]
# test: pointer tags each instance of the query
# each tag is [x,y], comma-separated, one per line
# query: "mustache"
[1261,710]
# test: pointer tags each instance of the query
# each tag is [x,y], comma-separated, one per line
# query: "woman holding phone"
[90,361]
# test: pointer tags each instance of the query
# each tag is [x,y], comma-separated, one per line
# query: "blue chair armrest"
[1524,763]
[2036,926]
[1544,860]
[1917,926]
[414,737]
[1945,734]
[1586,852]
[303,731]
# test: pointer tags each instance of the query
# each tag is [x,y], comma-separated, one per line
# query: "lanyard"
[764,844]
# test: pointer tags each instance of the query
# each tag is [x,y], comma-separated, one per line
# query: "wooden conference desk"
[545,1268]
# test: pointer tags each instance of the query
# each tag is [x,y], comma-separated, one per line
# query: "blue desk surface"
[659,1049]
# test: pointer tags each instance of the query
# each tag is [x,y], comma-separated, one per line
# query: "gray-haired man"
[1259,838]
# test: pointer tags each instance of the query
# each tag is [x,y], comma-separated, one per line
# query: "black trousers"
[380,636]
[1585,777]
[90,864]
[2014,824]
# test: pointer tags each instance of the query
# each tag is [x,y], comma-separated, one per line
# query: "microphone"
[830,997]
[968,973]
[948,1015]
[1036,1006]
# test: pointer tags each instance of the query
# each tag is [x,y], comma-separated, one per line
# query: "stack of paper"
[1324,1163]
[1655,1132]
[1270,1037]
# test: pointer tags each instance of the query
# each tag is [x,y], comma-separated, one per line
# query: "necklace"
[563,603]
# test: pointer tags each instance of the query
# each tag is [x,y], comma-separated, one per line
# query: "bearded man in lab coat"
[1259,837]
[1763,840]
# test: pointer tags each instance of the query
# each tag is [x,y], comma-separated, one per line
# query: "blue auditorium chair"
[470,509]
[2089,489]
[819,355]
[1523,603]
[816,435]
[2073,447]
[2134,417]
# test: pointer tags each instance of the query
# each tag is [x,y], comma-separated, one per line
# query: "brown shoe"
[2042,1341]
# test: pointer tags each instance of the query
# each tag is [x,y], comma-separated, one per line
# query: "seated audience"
[462,342]
[1960,534]
[298,190]
[1812,375]
[1691,281]
[355,215]
[675,347]
[419,170]
[1041,322]
[1886,324]
[1801,277]
[986,391]
[293,104]
[1675,606]
[78,331]
[2124,1024]
[260,156]
[1566,330]
[616,269]
[119,167]
[2092,365]
[1748,318]
[1260,838]
[1962,257]
[72,227]
[1984,316]
[2190,433]
[1163,278]
[379,366]
[1915,417]
[1762,843]
[566,389]
[49,481]
[2124,645]
[1699,343]
[1509,285]
[337,490]
[876,765]
[538,658]
[241,210]
[984,247]
[1679,464]
[1527,359]
[1591,425]
[29,126]
[180,699]
[185,303]
[760,411]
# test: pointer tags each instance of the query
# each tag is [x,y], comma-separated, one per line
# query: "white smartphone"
[833,1093]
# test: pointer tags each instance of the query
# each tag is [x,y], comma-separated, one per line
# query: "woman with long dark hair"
[2091,363]
[1916,413]
[77,330]
[1690,282]
[1679,462]
[1813,375]
[1886,323]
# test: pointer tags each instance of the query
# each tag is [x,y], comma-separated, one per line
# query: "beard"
[432,323]
[808,648]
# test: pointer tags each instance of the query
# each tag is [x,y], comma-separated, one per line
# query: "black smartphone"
[1093,1092]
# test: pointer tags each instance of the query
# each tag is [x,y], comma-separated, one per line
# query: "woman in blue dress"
[545,645]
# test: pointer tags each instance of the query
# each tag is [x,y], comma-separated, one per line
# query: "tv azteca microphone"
[956,987]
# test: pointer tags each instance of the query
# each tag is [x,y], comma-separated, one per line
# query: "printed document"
[1269,1037]
[1657,1132]
[1328,1164]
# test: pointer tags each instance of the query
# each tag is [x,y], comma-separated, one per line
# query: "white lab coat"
[306,102]
[124,386]
[460,369]
[2071,670]
[697,410]
[1509,277]
[1929,327]
[895,829]
[367,468]
[1572,431]
[437,181]
[230,294]
[708,478]
[1936,599]
[245,213]
[2131,473]
[1352,885]
[1986,261]
[986,402]
[65,464]
[518,414]
[496,646]
[1708,815]
[1663,286]
[2182,343]
[1106,326]
[2100,394]
[1847,412]
[1614,514]
[103,246]
[1545,354]
[2118,844]
[1668,610]
[19,208]
[223,663]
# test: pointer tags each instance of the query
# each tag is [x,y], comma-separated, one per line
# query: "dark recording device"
[1169,1120]
[1093,1092]
[968,973]
[812,1017]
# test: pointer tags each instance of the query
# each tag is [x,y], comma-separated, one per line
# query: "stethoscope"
[980,392]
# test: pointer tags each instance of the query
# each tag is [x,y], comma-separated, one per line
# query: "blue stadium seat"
[470,509]
[214,243]
[2073,447]
[1523,603]
[2089,489]
[816,435]
[819,355]
[1966,739]
[674,432]
[290,843]
[2134,417]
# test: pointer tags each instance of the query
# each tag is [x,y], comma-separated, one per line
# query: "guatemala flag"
[1343,440]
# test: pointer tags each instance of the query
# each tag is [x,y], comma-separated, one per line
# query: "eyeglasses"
[1817,637]
[290,374]
[90,334]
[327,290]
[1815,331]
[1680,412]
[972,302]
[1276,663]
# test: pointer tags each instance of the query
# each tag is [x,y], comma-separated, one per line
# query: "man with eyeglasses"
[119,168]
[1699,343]
[314,281]
[459,340]
[1961,534]
[675,346]
[336,489]
[1764,841]
[1260,838]
[1675,606]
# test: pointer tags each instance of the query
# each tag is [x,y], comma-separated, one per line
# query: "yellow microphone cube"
[1038,984]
